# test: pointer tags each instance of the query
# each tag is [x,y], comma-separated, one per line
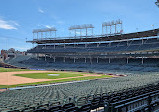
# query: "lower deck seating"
[141,99]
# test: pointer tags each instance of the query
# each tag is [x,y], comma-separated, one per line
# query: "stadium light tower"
[157,3]
[47,31]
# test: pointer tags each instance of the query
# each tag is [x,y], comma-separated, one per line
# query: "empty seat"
[72,109]
[85,108]
[55,108]
[67,106]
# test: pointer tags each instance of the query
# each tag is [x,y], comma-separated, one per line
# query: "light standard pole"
[153,26]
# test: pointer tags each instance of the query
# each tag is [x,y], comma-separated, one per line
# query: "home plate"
[53,74]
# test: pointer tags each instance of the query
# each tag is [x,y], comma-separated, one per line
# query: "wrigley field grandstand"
[83,72]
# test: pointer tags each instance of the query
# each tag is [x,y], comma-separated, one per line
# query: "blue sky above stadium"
[19,17]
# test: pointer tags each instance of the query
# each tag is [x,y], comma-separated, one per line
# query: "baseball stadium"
[83,72]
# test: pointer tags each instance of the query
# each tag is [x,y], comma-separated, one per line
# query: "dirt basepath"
[8,78]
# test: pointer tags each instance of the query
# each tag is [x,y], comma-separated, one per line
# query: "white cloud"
[8,25]
[48,26]
[14,23]
[40,10]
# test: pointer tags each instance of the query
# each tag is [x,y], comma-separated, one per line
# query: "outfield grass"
[46,76]
[12,70]
[3,86]
[62,80]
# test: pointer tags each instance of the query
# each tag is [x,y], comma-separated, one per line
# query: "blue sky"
[19,17]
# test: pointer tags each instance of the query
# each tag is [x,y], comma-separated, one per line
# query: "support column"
[115,29]
[75,32]
[97,60]
[37,56]
[127,60]
[41,35]
[85,45]
[86,32]
[109,60]
[142,60]
[106,30]
[110,44]
[97,44]
[54,59]
[15,55]
[74,60]
[127,43]
[91,60]
[102,30]
[121,27]
[80,33]
[45,57]
[142,41]
[85,60]
[64,60]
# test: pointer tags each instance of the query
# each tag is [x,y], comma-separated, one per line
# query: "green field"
[58,81]
[12,70]
[46,76]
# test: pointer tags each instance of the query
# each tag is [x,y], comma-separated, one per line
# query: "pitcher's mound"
[53,74]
